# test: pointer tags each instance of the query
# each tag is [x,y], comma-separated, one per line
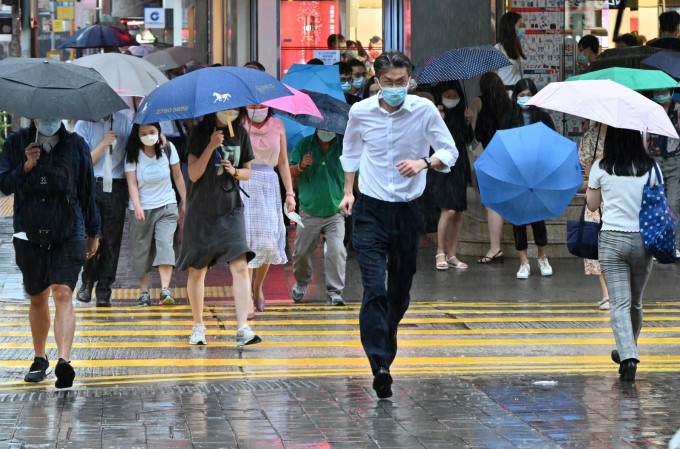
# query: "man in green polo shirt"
[315,161]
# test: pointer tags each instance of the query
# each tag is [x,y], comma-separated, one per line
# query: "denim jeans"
[386,238]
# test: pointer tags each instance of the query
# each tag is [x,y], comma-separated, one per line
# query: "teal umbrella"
[635,79]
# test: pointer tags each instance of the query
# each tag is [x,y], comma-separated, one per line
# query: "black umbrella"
[335,113]
[630,57]
[46,89]
[99,36]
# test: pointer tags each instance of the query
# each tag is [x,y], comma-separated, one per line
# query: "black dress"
[214,224]
[450,189]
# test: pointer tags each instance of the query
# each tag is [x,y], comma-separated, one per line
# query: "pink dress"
[265,230]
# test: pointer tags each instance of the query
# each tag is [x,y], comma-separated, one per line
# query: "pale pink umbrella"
[297,104]
[607,102]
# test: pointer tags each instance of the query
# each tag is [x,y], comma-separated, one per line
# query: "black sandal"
[496,258]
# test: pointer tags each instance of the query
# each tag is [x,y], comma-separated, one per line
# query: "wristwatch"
[427,161]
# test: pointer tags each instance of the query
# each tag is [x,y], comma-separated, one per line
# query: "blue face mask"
[48,127]
[662,99]
[346,86]
[394,96]
[521,33]
[522,102]
[583,58]
[358,83]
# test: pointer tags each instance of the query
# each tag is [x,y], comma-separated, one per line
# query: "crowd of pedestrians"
[229,180]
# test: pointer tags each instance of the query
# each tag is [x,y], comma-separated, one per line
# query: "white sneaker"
[524,271]
[546,269]
[246,336]
[198,335]
[604,304]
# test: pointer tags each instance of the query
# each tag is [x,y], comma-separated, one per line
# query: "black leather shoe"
[85,293]
[628,369]
[616,359]
[104,302]
[382,383]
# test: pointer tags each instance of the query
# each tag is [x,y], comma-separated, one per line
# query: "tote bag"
[582,236]
[657,223]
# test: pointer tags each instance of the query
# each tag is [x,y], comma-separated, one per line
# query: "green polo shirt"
[322,185]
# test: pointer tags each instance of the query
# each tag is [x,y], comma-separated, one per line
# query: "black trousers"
[101,268]
[385,237]
[540,235]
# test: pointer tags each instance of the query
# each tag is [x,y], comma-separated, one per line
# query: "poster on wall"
[305,27]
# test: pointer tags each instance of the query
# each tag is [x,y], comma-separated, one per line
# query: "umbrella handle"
[231,128]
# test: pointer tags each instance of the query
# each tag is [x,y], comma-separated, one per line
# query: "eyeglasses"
[389,83]
[346,79]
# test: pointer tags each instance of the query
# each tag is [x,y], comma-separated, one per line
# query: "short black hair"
[344,68]
[591,42]
[315,61]
[629,39]
[255,64]
[669,21]
[334,40]
[392,60]
[356,63]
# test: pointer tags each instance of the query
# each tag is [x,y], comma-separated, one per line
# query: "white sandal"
[442,266]
[460,265]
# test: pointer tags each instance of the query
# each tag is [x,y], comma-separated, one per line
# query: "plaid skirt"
[265,231]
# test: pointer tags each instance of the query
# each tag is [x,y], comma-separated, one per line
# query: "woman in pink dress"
[265,230]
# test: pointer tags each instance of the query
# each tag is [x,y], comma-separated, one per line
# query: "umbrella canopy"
[295,132]
[324,79]
[296,104]
[128,75]
[460,64]
[529,174]
[99,36]
[47,89]
[335,113]
[630,57]
[206,91]
[606,102]
[142,50]
[636,79]
[668,61]
[173,57]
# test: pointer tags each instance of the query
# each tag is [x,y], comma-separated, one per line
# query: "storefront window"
[330,31]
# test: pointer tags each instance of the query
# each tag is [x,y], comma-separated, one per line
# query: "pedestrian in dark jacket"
[56,227]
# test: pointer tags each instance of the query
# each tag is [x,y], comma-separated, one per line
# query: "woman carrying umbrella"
[521,94]
[491,111]
[214,225]
[265,230]
[451,187]
[511,30]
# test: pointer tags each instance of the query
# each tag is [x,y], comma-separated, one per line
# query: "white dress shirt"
[376,141]
[94,132]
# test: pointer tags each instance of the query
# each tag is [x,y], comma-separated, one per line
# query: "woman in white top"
[618,180]
[511,30]
[153,207]
[265,230]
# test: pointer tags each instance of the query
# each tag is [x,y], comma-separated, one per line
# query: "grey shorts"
[151,240]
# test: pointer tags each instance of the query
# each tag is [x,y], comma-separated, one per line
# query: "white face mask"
[325,136]
[449,103]
[227,116]
[258,115]
[149,139]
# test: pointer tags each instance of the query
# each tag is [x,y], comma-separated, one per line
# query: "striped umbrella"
[460,64]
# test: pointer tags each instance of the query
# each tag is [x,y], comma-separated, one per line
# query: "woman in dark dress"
[491,111]
[522,92]
[214,225]
[451,188]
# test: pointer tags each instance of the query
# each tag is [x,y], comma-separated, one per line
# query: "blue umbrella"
[324,79]
[206,91]
[335,113]
[668,61]
[99,36]
[529,174]
[460,64]
[295,132]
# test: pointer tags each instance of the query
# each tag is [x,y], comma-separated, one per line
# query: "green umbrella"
[636,79]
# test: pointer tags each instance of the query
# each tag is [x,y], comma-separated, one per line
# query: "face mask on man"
[450,103]
[662,98]
[258,115]
[149,140]
[227,116]
[325,136]
[358,83]
[48,127]
[346,86]
[394,96]
[583,58]
[352,54]
[522,102]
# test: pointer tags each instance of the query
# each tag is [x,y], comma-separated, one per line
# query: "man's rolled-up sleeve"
[352,145]
[439,137]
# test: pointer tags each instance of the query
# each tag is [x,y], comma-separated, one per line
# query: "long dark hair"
[507,35]
[455,117]
[625,154]
[495,97]
[134,144]
[522,85]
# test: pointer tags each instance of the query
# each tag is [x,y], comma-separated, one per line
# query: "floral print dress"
[585,155]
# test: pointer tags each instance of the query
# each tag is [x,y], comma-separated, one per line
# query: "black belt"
[114,180]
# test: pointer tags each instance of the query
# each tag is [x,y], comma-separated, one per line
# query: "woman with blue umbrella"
[524,90]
